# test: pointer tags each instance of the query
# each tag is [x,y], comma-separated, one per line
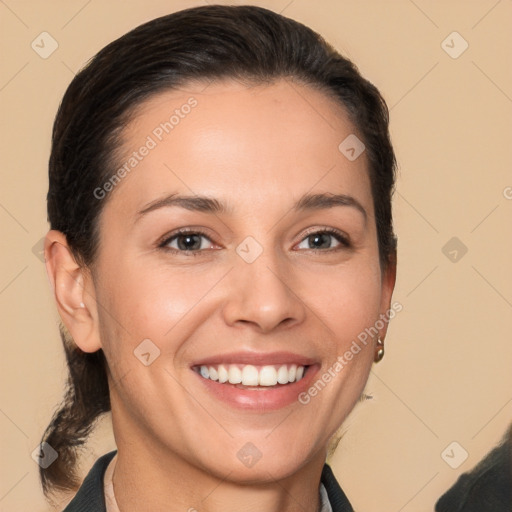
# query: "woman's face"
[276,276]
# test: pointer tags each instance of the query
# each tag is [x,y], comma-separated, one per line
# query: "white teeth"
[223,374]
[268,376]
[234,374]
[214,375]
[250,375]
[282,375]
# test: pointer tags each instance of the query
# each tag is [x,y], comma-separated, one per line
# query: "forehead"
[261,143]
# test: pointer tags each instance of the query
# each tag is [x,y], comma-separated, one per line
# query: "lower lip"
[261,398]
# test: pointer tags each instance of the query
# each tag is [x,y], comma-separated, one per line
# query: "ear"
[74,292]
[388,285]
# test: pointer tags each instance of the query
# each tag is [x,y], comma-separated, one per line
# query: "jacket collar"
[91,498]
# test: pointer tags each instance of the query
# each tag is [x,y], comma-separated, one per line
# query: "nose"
[262,294]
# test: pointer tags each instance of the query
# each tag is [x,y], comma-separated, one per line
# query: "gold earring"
[380,351]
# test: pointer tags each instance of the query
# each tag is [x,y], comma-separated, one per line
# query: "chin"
[250,465]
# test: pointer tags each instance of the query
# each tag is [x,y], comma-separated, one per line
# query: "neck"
[146,478]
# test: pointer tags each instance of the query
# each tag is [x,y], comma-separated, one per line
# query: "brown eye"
[324,240]
[187,241]
[320,241]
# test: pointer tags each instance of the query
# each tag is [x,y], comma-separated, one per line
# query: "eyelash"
[338,235]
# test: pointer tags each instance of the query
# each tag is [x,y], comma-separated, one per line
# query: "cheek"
[140,302]
[348,300]
[348,305]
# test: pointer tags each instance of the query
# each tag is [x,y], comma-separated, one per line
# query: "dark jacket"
[487,487]
[90,497]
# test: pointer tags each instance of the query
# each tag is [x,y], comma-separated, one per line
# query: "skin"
[256,149]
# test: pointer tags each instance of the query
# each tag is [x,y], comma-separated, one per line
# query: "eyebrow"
[308,202]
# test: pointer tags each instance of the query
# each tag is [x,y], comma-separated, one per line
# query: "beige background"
[447,373]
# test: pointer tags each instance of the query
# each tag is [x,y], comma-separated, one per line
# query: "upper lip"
[256,358]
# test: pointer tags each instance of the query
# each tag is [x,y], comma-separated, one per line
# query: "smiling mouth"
[248,375]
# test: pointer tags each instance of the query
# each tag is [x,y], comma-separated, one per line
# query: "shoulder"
[337,498]
[90,497]
[486,487]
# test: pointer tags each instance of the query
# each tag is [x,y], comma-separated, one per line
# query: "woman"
[223,260]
